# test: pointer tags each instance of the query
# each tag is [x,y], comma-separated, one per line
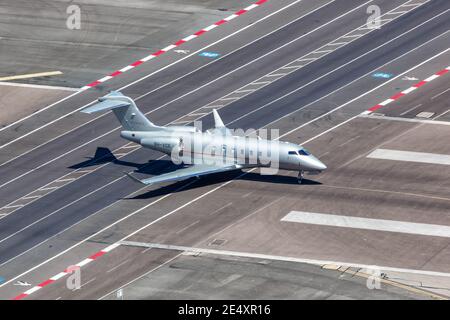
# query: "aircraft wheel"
[300,177]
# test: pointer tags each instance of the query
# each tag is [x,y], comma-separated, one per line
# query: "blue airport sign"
[382,75]
[211,55]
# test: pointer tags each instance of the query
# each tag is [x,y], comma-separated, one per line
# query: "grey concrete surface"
[17,102]
[34,36]
[250,210]
[222,277]
[84,218]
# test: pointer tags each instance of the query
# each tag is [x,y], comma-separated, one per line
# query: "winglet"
[129,175]
[217,120]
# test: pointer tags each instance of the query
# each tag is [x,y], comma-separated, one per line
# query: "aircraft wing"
[186,173]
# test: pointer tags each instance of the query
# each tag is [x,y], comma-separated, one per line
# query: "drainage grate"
[425,115]
[217,242]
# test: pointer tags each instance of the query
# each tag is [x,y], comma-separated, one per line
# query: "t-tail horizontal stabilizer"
[126,111]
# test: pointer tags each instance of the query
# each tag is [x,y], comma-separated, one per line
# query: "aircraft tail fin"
[126,111]
[217,120]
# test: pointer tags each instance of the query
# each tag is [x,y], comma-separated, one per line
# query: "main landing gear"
[300,177]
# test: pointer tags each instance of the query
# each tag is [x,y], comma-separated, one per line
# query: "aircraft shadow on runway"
[155,167]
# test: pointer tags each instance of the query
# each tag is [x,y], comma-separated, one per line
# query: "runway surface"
[64,196]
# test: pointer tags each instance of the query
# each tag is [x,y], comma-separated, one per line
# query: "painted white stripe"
[111,247]
[149,57]
[231,17]
[130,146]
[337,43]
[368,224]
[106,78]
[30,197]
[293,67]
[323,51]
[411,5]
[32,290]
[440,94]
[409,90]
[409,156]
[125,69]
[38,86]
[84,262]
[31,75]
[250,7]
[385,102]
[217,106]
[208,28]
[247,90]
[280,258]
[48,188]
[168,48]
[229,98]
[188,38]
[397,12]
[196,114]
[84,171]
[412,120]
[434,76]
[65,180]
[353,36]
[14,206]
[58,276]
[411,109]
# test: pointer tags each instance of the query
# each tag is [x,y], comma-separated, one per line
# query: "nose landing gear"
[300,177]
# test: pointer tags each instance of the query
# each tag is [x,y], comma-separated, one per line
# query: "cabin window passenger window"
[292,152]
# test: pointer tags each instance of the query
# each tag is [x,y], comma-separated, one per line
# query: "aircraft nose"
[320,166]
[315,164]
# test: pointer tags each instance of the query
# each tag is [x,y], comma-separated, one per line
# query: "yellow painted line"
[31,75]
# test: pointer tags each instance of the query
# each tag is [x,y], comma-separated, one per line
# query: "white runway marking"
[37,86]
[31,75]
[279,258]
[411,109]
[413,120]
[368,224]
[440,94]
[422,157]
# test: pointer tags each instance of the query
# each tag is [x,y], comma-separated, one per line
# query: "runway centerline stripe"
[172,46]
[341,221]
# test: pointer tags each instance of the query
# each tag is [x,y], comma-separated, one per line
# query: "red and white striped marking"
[172,46]
[66,272]
[405,92]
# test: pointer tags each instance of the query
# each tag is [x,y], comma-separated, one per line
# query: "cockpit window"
[292,152]
[303,152]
